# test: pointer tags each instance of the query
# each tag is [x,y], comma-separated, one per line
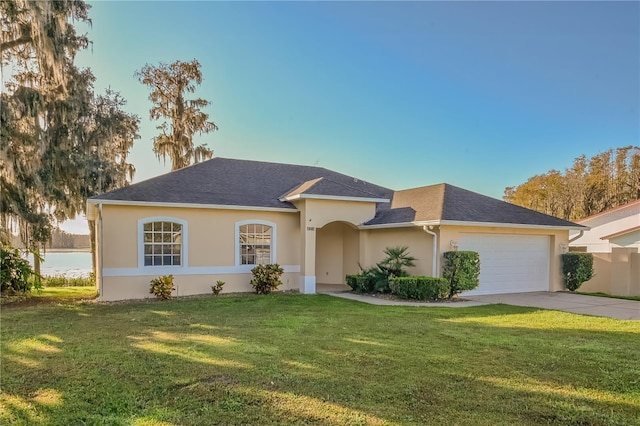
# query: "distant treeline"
[590,186]
[60,240]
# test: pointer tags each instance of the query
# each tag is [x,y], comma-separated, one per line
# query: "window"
[255,242]
[162,243]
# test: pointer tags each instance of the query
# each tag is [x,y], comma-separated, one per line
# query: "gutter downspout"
[434,269]
[576,237]
[100,247]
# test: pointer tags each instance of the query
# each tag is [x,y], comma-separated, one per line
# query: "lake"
[67,263]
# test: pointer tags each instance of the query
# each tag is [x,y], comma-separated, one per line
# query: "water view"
[67,263]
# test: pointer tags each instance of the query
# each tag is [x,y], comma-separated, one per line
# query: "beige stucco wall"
[137,287]
[601,281]
[557,240]
[616,273]
[210,243]
[211,235]
[374,241]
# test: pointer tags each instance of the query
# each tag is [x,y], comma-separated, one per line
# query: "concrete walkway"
[567,302]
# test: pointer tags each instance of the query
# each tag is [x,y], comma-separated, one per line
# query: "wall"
[616,273]
[210,251]
[374,241]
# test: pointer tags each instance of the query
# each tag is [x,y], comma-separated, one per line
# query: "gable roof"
[444,203]
[229,182]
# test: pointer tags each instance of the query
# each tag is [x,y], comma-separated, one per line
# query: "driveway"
[568,302]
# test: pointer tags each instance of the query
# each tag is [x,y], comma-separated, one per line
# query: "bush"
[266,278]
[419,288]
[16,275]
[162,287]
[576,269]
[217,288]
[462,271]
[62,281]
[360,283]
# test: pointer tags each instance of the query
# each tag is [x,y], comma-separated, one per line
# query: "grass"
[64,281]
[612,296]
[50,295]
[291,359]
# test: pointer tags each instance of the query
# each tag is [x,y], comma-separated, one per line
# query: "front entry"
[337,254]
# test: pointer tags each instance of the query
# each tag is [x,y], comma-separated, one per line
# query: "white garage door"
[509,263]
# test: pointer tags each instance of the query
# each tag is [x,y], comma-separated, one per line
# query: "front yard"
[291,359]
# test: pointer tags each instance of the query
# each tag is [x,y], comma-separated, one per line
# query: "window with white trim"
[255,242]
[162,243]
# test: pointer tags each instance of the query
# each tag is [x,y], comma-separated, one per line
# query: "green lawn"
[50,295]
[292,359]
[613,296]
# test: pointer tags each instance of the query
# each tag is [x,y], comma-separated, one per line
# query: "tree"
[59,143]
[183,117]
[590,186]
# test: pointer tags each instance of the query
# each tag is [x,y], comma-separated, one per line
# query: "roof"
[447,203]
[611,210]
[230,182]
[620,233]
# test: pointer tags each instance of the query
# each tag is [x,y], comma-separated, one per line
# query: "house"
[216,220]
[614,240]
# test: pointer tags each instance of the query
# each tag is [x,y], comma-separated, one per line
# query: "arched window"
[255,242]
[162,241]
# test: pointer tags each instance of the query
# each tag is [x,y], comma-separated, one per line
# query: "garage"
[509,263]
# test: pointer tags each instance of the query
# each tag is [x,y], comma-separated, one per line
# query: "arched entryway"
[337,255]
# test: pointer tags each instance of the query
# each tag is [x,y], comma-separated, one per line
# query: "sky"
[481,95]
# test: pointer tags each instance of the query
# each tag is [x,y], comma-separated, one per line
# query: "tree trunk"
[36,261]
[92,237]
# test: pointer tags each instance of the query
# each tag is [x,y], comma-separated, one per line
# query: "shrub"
[359,283]
[266,278]
[576,269]
[16,275]
[217,288]
[462,271]
[419,288]
[162,287]
[63,281]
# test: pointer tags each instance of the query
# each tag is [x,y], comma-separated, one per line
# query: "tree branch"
[17,42]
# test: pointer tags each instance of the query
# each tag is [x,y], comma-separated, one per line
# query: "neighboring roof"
[620,233]
[611,210]
[447,203]
[229,182]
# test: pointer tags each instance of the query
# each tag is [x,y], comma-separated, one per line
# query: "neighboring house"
[614,240]
[216,220]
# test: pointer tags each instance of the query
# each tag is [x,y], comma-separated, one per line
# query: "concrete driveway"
[568,302]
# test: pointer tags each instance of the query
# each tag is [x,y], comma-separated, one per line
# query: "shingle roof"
[444,202]
[229,182]
[223,181]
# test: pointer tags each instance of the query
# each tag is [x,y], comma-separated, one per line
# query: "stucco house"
[614,240]
[216,220]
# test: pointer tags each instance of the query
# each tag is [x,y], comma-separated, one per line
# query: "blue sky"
[481,95]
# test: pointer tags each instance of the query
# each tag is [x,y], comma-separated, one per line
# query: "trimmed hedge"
[419,288]
[576,269]
[462,270]
[361,283]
